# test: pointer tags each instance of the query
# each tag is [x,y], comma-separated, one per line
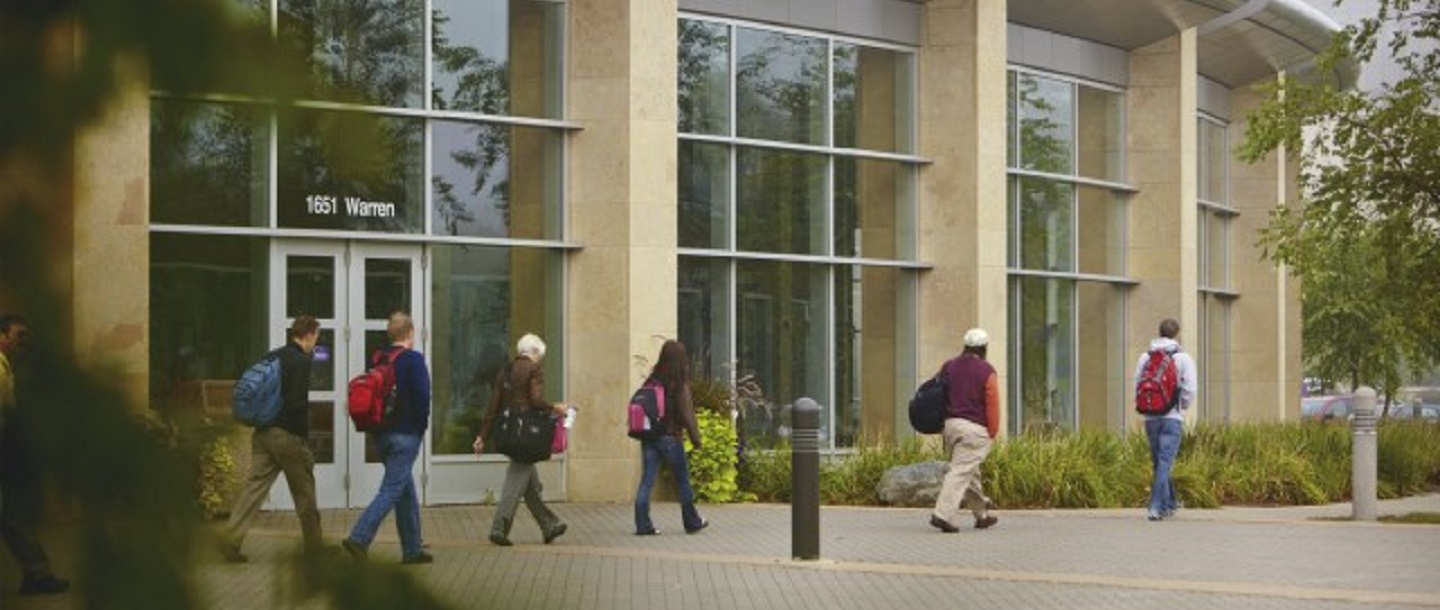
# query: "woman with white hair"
[521,385]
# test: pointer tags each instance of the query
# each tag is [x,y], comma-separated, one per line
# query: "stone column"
[1265,320]
[1161,135]
[622,286]
[962,225]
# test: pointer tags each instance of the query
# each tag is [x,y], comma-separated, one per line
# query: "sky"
[1381,68]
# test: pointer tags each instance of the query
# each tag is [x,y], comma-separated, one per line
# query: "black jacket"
[294,390]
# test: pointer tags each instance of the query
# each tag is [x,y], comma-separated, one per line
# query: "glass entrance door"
[351,288]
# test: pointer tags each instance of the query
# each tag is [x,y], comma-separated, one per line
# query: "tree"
[1365,241]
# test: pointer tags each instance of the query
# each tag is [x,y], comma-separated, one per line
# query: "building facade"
[817,197]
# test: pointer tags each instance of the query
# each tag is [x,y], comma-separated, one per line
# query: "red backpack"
[1155,390]
[373,399]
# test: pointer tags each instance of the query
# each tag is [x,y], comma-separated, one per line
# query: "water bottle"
[569,417]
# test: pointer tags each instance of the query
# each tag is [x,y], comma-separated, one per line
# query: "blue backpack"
[930,405]
[256,401]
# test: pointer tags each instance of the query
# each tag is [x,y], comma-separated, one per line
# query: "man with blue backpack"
[280,441]
[1164,388]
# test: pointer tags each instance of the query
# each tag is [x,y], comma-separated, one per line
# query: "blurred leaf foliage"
[138,531]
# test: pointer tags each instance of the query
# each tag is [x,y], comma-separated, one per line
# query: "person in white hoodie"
[1164,430]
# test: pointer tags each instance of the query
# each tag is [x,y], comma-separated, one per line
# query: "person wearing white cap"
[971,423]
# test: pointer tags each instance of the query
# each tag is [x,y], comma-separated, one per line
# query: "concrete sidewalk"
[886,558]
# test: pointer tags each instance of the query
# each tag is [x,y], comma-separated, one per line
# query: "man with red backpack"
[1164,388]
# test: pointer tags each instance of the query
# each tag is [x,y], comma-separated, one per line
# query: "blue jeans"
[397,491]
[1164,435]
[672,451]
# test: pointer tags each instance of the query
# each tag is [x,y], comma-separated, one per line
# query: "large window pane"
[495,180]
[781,201]
[359,51]
[704,191]
[485,299]
[704,316]
[1101,134]
[874,203]
[1046,225]
[208,164]
[1101,231]
[1213,359]
[704,77]
[497,56]
[1214,160]
[209,297]
[780,88]
[873,108]
[874,351]
[1103,399]
[1046,129]
[351,171]
[1216,250]
[781,339]
[1043,363]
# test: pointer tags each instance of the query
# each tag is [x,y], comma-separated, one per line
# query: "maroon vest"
[965,378]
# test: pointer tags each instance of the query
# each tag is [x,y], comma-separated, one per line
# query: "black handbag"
[525,435]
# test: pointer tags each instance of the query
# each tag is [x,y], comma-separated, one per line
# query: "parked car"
[1429,412]
[1327,408]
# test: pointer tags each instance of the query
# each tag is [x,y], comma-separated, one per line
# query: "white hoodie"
[1184,368]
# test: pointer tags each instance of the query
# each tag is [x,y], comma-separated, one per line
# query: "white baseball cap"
[976,337]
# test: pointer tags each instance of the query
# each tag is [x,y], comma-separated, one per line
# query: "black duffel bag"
[525,435]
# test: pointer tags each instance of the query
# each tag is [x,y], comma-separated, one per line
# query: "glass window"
[880,82]
[208,164]
[1046,124]
[704,191]
[1101,134]
[498,57]
[1214,160]
[1215,249]
[874,351]
[705,316]
[872,204]
[1100,231]
[780,201]
[485,298]
[782,310]
[780,88]
[364,52]
[1045,239]
[1043,324]
[493,180]
[351,171]
[1103,361]
[1213,359]
[704,77]
[209,298]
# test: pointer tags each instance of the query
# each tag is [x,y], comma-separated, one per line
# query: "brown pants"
[273,450]
[968,443]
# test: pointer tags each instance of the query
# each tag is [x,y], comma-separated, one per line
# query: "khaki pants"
[273,450]
[968,444]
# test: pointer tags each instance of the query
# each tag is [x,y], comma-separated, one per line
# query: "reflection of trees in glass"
[350,154]
[780,87]
[846,73]
[361,51]
[704,77]
[202,163]
[481,83]
[780,196]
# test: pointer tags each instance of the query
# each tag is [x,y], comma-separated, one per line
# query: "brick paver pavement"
[883,558]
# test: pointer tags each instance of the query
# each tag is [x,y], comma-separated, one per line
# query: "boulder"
[914,485]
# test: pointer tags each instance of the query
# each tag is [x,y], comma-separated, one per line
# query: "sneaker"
[231,554]
[650,532]
[1154,516]
[555,532]
[355,550]
[695,530]
[421,557]
[43,585]
[986,522]
[499,539]
[944,525]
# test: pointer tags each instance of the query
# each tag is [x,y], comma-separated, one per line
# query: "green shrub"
[1264,464]
[714,470]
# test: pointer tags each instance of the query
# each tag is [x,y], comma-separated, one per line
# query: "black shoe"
[499,539]
[986,522]
[650,532]
[555,532]
[421,557]
[231,554]
[695,530]
[356,552]
[43,585]
[943,525]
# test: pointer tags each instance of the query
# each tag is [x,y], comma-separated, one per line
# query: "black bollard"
[805,480]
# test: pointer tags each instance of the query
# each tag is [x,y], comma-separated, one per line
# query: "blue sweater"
[412,381]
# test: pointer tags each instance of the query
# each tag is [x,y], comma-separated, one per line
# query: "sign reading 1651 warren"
[353,207]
